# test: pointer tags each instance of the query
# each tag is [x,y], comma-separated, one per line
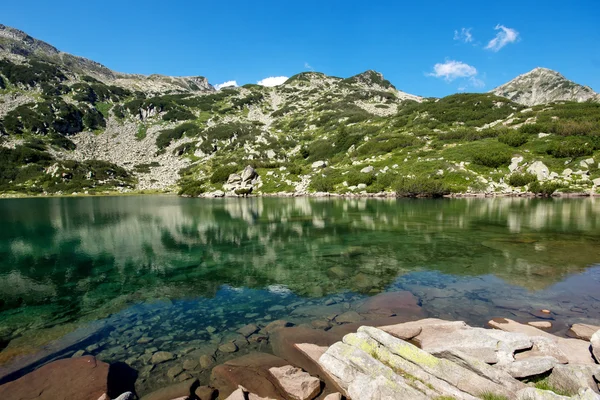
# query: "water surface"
[177,266]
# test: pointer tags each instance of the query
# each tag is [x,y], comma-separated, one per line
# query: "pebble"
[162,356]
[541,324]
[190,365]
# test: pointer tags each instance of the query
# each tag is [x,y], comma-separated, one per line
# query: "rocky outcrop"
[542,85]
[297,384]
[244,184]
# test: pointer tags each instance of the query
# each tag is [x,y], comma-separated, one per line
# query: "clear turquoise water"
[177,266]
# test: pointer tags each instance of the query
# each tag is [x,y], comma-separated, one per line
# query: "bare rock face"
[531,366]
[542,85]
[297,384]
[82,378]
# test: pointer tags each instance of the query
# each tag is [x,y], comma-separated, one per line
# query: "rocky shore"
[376,358]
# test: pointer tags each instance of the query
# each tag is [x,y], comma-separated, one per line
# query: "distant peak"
[371,78]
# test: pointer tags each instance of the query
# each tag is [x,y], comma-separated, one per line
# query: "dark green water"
[178,265]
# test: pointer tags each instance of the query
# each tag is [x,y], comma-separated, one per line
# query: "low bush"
[354,178]
[571,147]
[166,136]
[320,183]
[545,189]
[518,179]
[420,186]
[513,138]
[221,174]
[492,157]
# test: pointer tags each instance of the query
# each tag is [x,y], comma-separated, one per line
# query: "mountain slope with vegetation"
[68,125]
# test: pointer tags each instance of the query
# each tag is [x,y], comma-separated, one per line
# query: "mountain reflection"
[87,256]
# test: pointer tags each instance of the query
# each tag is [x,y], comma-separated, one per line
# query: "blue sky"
[432,48]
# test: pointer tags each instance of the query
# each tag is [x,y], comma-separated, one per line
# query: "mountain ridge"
[63,130]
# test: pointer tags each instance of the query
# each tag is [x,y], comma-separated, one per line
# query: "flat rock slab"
[83,378]
[530,366]
[583,331]
[576,351]
[250,371]
[296,383]
[403,302]
[182,389]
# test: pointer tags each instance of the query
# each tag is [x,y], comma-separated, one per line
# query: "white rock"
[595,341]
[367,170]
[540,170]
[319,164]
[298,384]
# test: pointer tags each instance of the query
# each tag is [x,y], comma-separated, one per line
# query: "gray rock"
[483,369]
[538,394]
[161,357]
[530,366]
[540,170]
[595,341]
[125,396]
[319,164]
[367,170]
[234,178]
[78,353]
[571,378]
[249,174]
[206,361]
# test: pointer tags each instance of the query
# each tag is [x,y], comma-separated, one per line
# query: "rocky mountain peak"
[543,85]
[371,80]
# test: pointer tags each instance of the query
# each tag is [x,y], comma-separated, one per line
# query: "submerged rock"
[583,331]
[161,357]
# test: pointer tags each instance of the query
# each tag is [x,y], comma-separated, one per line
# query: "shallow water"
[166,268]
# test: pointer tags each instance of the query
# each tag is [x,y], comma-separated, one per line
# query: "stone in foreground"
[296,383]
[570,378]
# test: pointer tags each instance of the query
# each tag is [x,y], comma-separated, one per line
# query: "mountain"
[71,125]
[543,85]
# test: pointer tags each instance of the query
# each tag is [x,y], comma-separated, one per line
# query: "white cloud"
[476,82]
[272,81]
[308,66]
[464,35]
[451,70]
[219,86]
[503,37]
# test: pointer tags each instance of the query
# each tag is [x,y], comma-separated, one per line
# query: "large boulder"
[248,174]
[82,378]
[250,371]
[178,390]
[572,377]
[393,303]
[531,366]
[540,170]
[372,355]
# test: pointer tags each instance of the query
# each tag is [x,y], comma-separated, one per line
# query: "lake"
[176,274]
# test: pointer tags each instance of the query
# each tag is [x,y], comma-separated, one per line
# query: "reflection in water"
[69,259]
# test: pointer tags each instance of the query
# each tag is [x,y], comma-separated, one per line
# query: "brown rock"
[181,389]
[206,393]
[82,378]
[161,357]
[190,365]
[321,324]
[283,345]
[399,303]
[313,353]
[250,371]
[277,324]
[228,347]
[206,361]
[540,324]
[583,331]
[174,371]
[409,330]
[248,330]
[348,317]
[333,396]
[296,383]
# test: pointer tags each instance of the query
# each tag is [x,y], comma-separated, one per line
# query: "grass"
[543,384]
[104,109]
[141,132]
[492,396]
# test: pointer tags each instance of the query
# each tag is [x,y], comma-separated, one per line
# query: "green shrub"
[545,189]
[166,136]
[513,138]
[192,188]
[221,174]
[386,144]
[469,134]
[178,115]
[518,179]
[354,178]
[320,183]
[571,147]
[492,158]
[63,142]
[420,186]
